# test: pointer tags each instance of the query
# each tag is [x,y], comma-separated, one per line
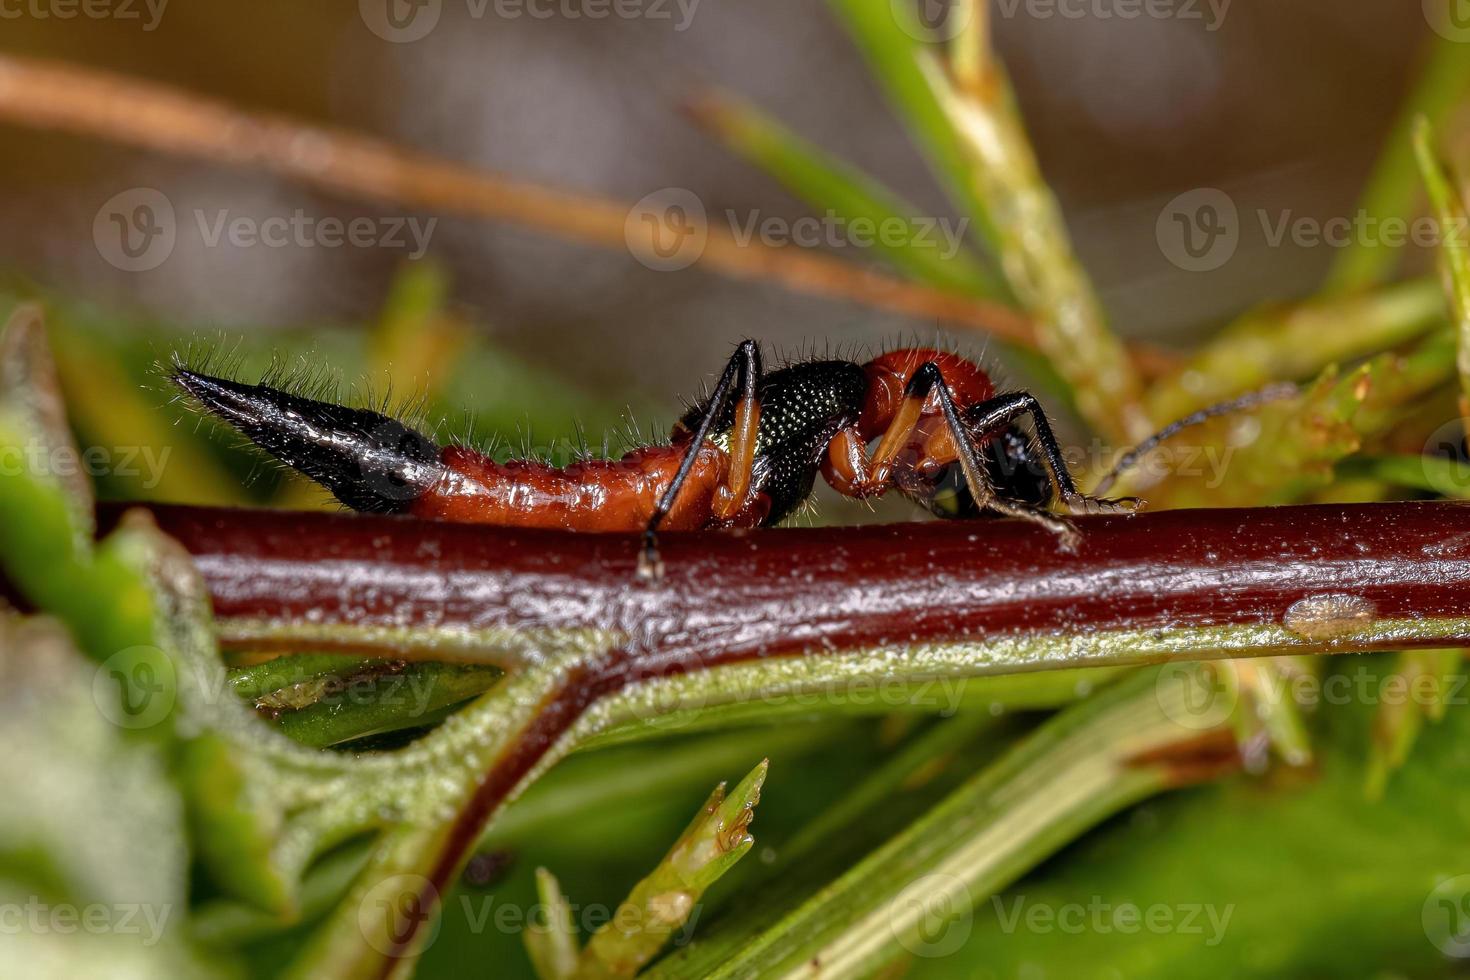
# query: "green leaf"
[259,680]
[1297,442]
[1433,474]
[1295,341]
[1454,252]
[661,903]
[829,185]
[137,607]
[918,892]
[887,36]
[914,763]
[352,705]
[552,945]
[1392,192]
[93,851]
[1243,880]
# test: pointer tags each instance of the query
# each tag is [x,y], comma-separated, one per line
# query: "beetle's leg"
[973,466]
[735,494]
[852,470]
[744,367]
[996,414]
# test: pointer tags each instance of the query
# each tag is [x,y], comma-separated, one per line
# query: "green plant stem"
[1454,251]
[1393,189]
[1418,688]
[586,783]
[1036,254]
[1293,342]
[1432,474]
[934,747]
[916,890]
[999,694]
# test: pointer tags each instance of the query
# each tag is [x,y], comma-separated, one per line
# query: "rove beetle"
[746,456]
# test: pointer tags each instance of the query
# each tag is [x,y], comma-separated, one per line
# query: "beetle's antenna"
[1280,391]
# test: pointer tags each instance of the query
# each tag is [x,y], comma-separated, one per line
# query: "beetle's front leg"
[993,416]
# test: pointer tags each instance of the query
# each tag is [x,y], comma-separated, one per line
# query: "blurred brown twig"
[70,98]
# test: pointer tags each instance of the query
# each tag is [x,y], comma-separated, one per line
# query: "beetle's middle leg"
[743,371]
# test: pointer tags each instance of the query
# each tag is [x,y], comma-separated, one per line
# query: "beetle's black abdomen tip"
[368,460]
[239,404]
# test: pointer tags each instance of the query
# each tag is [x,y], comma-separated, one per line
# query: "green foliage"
[1288,878]
[94,846]
[661,903]
[143,772]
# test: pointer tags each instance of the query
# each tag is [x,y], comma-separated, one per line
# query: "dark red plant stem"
[735,595]
[728,597]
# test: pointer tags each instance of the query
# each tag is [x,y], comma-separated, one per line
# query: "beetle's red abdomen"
[595,495]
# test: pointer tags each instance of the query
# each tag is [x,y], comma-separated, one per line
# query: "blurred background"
[1281,104]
